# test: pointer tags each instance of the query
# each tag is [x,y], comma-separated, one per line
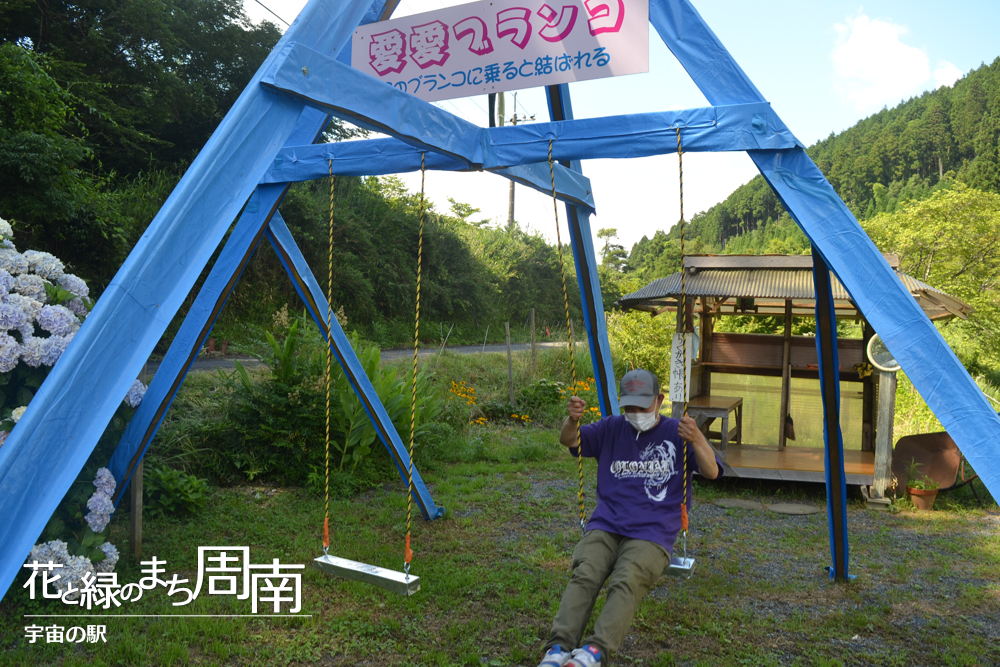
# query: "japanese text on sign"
[489,47]
[274,588]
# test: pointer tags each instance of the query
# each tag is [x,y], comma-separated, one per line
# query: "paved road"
[202,364]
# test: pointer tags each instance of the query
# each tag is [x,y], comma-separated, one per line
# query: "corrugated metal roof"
[757,283]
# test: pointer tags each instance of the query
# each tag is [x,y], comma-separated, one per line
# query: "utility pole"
[514,119]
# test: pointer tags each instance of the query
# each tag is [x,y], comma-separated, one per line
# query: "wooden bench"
[706,409]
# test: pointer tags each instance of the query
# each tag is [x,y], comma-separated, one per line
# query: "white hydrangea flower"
[58,320]
[17,413]
[111,557]
[6,230]
[13,262]
[11,317]
[31,286]
[135,393]
[10,352]
[32,350]
[73,284]
[44,264]
[54,348]
[30,306]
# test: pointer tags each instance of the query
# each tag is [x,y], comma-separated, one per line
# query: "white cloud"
[872,67]
[946,74]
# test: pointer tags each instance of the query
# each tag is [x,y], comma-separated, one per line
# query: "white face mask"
[641,421]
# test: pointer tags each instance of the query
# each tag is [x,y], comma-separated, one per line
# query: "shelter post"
[707,324]
[868,404]
[786,355]
[883,440]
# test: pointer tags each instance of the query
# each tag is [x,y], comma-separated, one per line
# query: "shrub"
[170,492]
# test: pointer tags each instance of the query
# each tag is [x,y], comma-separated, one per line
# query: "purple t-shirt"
[639,479]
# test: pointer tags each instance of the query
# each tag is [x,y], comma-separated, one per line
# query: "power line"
[272,13]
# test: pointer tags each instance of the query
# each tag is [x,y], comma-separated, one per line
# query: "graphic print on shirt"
[655,466]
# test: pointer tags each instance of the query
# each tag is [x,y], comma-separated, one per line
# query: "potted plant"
[922,489]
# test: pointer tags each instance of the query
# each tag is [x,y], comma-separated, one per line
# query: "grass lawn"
[493,571]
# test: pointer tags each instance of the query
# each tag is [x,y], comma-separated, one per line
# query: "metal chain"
[682,307]
[329,357]
[569,331]
[407,552]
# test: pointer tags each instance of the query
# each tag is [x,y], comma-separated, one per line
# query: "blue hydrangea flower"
[31,286]
[13,262]
[10,352]
[32,350]
[73,284]
[100,507]
[30,306]
[58,320]
[7,243]
[11,317]
[46,265]
[6,282]
[111,557]
[135,393]
[77,307]
[105,481]
[73,567]
[53,348]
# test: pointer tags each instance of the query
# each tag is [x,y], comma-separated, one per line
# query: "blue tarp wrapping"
[57,433]
[375,157]
[55,436]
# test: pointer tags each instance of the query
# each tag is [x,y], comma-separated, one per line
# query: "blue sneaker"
[555,657]
[585,656]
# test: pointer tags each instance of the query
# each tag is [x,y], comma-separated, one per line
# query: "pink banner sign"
[498,45]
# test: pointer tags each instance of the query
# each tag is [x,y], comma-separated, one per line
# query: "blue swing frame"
[267,141]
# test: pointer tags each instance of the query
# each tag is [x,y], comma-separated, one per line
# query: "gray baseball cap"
[640,388]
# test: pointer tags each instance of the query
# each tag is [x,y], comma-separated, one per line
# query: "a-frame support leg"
[829,377]
[581,240]
[312,295]
[195,330]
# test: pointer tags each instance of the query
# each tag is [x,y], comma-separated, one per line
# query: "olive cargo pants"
[630,566]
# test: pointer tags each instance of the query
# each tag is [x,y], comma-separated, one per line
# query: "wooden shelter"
[736,375]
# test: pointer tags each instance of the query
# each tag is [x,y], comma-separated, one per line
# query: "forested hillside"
[103,104]
[924,181]
[895,156]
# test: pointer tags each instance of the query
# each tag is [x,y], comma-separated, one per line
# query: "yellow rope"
[569,332]
[329,358]
[682,306]
[407,552]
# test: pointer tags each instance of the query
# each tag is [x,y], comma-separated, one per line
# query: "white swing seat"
[681,567]
[397,582]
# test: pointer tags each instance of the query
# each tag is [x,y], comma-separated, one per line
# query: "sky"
[823,66]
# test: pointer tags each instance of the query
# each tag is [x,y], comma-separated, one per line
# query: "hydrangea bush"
[41,309]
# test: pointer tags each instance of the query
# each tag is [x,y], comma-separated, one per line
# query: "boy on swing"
[630,535]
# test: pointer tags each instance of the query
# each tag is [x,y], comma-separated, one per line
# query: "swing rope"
[683,309]
[407,551]
[569,331]
[329,359]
